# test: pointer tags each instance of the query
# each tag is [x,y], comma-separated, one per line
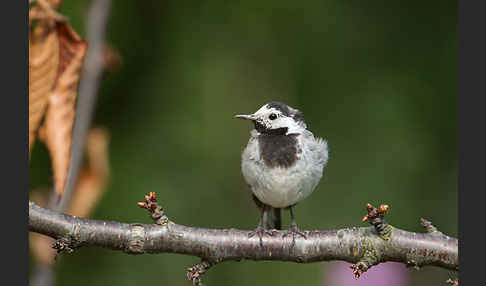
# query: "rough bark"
[365,246]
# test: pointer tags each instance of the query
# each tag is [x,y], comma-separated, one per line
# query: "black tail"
[271,218]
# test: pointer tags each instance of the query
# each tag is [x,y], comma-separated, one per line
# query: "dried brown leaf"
[44,59]
[43,68]
[59,117]
[45,10]
[53,4]
[93,177]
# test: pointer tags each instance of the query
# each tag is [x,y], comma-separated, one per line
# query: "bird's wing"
[318,148]
[252,150]
[250,158]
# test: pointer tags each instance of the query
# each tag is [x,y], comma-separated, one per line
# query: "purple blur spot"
[383,274]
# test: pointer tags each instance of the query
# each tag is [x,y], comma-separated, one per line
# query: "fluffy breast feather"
[284,186]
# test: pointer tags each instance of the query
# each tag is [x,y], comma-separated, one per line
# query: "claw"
[260,231]
[294,231]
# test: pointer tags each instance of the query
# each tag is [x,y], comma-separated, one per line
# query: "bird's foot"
[260,231]
[294,231]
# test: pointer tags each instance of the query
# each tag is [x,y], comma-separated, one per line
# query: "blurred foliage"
[377,79]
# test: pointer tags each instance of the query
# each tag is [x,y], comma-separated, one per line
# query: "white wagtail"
[282,164]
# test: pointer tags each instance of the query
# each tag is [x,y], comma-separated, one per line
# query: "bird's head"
[276,118]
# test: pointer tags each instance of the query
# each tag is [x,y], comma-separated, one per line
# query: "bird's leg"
[260,230]
[293,229]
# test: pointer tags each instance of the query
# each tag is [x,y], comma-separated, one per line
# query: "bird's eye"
[273,116]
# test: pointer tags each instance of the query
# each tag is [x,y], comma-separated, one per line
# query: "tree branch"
[364,246]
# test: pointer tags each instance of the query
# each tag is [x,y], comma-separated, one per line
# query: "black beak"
[247,117]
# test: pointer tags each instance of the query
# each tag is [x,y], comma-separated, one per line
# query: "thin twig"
[375,217]
[195,273]
[429,227]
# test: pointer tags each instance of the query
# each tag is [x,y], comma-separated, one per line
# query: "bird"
[282,163]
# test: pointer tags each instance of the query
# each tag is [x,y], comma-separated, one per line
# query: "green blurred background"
[377,79]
